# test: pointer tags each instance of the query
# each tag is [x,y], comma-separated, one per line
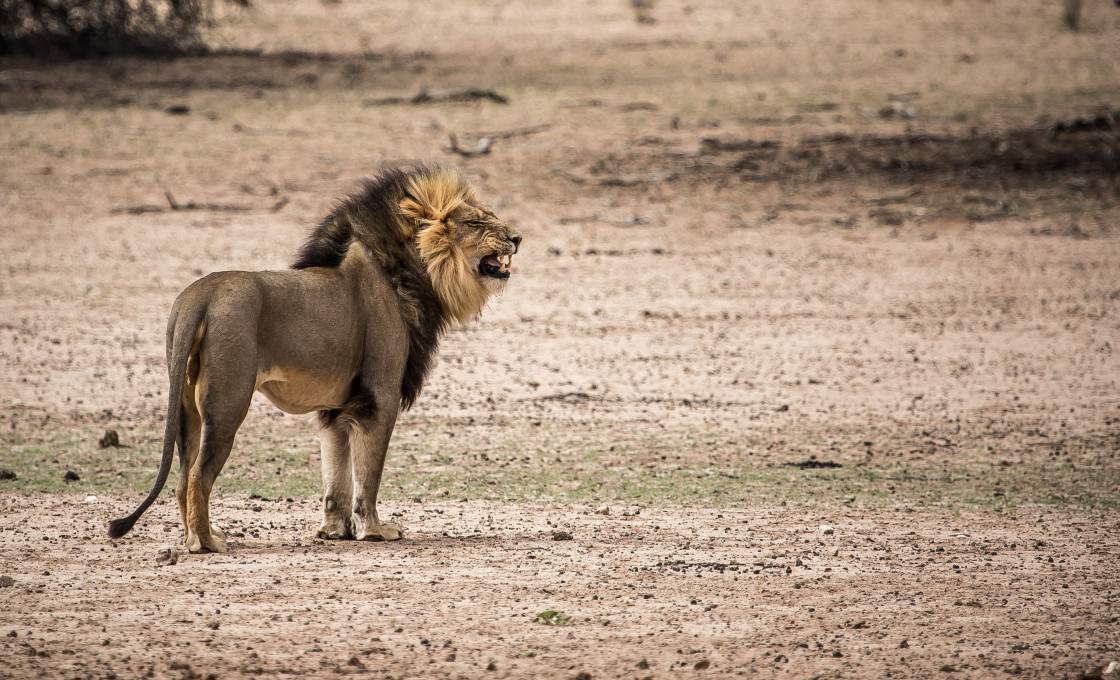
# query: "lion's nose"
[516,242]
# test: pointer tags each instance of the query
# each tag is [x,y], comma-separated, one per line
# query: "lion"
[350,332]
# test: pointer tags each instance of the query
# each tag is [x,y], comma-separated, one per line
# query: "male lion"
[349,332]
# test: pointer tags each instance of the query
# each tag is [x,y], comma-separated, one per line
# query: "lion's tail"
[184,331]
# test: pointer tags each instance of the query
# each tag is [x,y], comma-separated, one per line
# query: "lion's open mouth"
[496,266]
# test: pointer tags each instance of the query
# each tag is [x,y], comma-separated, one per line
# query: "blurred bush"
[94,28]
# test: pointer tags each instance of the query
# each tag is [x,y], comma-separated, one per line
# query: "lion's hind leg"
[189,440]
[224,402]
[214,449]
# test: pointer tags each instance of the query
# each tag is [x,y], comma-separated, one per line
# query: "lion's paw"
[386,531]
[192,543]
[334,529]
[216,544]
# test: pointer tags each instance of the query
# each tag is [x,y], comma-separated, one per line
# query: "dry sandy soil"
[880,236]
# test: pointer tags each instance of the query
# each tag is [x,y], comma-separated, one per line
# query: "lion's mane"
[373,217]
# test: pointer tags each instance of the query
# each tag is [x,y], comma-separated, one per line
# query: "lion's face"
[466,248]
[487,242]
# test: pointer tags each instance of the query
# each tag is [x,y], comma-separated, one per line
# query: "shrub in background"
[94,28]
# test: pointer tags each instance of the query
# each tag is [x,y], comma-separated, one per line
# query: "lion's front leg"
[338,485]
[368,447]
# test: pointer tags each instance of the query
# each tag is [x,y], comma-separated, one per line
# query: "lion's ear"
[415,211]
[432,230]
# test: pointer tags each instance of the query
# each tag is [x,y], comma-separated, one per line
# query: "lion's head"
[465,247]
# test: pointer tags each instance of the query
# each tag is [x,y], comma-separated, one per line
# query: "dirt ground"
[651,592]
[875,236]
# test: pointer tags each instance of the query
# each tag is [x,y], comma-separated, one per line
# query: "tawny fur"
[349,332]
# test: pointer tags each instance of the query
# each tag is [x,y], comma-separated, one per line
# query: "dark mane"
[371,217]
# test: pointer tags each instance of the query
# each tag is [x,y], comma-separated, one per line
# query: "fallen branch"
[246,130]
[716,145]
[174,206]
[516,132]
[634,180]
[191,205]
[893,198]
[486,140]
[622,180]
[597,217]
[455,96]
[481,149]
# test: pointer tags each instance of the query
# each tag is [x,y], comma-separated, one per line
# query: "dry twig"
[455,96]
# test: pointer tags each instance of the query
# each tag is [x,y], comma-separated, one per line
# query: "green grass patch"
[517,461]
[551,617]
[40,466]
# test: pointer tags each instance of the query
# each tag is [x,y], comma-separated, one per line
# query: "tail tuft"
[120,527]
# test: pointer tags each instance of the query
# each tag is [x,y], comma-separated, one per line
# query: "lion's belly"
[297,392]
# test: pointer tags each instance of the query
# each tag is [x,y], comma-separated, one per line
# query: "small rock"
[91,499]
[7,474]
[643,664]
[356,662]
[167,557]
[603,511]
[111,438]
[71,476]
[701,664]
[560,535]
[491,666]
[827,530]
[213,625]
[898,109]
[7,582]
